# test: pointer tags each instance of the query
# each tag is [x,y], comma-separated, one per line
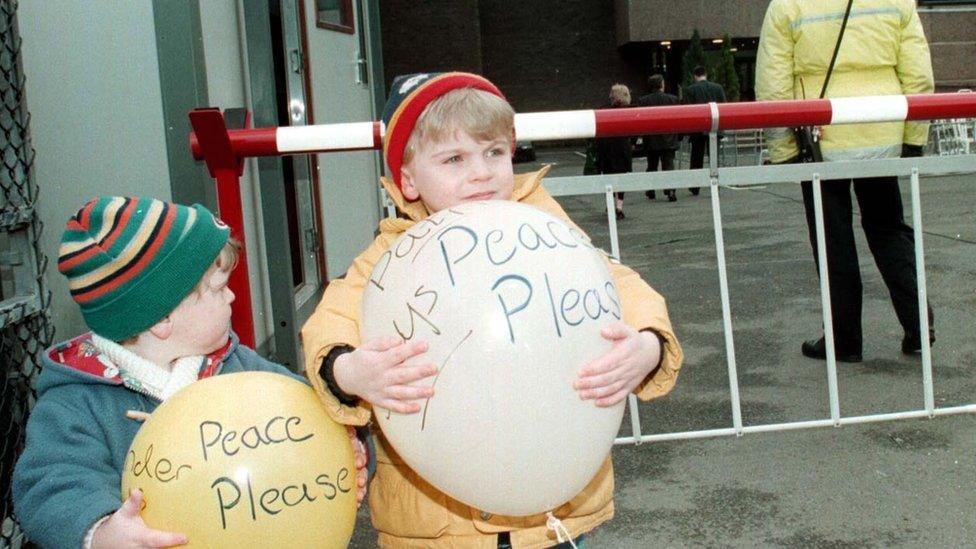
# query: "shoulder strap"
[833,58]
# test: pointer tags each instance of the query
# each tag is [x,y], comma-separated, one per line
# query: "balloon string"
[556,525]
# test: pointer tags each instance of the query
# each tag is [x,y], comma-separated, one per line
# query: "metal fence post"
[828,318]
[723,280]
[923,310]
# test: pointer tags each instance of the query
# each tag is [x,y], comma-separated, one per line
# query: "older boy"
[151,280]
[449,140]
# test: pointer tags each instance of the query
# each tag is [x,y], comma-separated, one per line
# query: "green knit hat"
[131,261]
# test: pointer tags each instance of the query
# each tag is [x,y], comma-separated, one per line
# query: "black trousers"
[890,240]
[699,142]
[666,158]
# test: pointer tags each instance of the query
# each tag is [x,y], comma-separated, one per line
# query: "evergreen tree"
[693,57]
[725,73]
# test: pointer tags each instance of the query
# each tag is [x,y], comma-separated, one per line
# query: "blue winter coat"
[69,475]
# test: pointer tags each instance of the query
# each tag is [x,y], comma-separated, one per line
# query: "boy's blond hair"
[481,115]
[619,95]
[225,262]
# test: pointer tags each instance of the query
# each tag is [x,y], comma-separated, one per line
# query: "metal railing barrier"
[229,146]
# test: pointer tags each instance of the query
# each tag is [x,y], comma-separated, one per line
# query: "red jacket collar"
[81,355]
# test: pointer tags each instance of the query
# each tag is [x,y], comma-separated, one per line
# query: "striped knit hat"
[130,261]
[409,96]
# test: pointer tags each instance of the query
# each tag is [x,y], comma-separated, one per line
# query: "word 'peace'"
[277,430]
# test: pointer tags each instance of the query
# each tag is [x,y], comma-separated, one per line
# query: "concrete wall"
[94,95]
[656,20]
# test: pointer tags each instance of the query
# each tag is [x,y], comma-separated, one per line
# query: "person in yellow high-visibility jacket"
[883,52]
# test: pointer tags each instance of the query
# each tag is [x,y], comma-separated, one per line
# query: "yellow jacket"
[883,52]
[405,509]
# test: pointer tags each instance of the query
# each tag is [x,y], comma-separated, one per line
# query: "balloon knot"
[556,525]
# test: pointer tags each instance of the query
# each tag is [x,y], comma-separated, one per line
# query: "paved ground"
[907,483]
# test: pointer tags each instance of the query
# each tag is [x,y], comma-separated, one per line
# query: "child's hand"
[125,528]
[359,450]
[375,372]
[611,377]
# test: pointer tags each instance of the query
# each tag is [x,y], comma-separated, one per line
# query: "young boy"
[151,280]
[449,140]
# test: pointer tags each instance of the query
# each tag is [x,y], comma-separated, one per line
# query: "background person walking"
[701,91]
[659,148]
[615,154]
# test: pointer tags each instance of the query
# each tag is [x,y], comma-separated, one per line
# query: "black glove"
[911,151]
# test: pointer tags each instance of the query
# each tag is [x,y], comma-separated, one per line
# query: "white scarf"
[144,376]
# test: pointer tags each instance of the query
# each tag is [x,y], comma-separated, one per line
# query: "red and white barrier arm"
[546,126]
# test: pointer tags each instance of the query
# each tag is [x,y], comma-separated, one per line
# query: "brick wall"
[542,55]
[554,55]
[953,45]
[427,36]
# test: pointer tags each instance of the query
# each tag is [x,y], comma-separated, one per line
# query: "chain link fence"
[25,329]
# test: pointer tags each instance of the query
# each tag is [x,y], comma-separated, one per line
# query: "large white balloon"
[511,301]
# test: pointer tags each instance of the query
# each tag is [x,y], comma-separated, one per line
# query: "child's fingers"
[405,375]
[401,353]
[603,391]
[381,343]
[612,399]
[409,392]
[157,538]
[359,454]
[400,406]
[132,504]
[617,330]
[600,365]
[601,386]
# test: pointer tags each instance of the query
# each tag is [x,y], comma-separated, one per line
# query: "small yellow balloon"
[245,460]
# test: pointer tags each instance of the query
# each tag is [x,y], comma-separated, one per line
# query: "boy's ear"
[407,187]
[162,329]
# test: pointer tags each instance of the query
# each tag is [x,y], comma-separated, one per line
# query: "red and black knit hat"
[130,261]
[409,96]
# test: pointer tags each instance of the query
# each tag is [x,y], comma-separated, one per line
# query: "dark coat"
[704,92]
[659,142]
[614,154]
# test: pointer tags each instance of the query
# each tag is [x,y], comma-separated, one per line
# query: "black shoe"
[695,190]
[620,214]
[650,195]
[911,344]
[672,196]
[817,348]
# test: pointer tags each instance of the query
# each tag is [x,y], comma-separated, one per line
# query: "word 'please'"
[238,497]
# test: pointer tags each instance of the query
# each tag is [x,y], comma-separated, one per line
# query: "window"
[334,15]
